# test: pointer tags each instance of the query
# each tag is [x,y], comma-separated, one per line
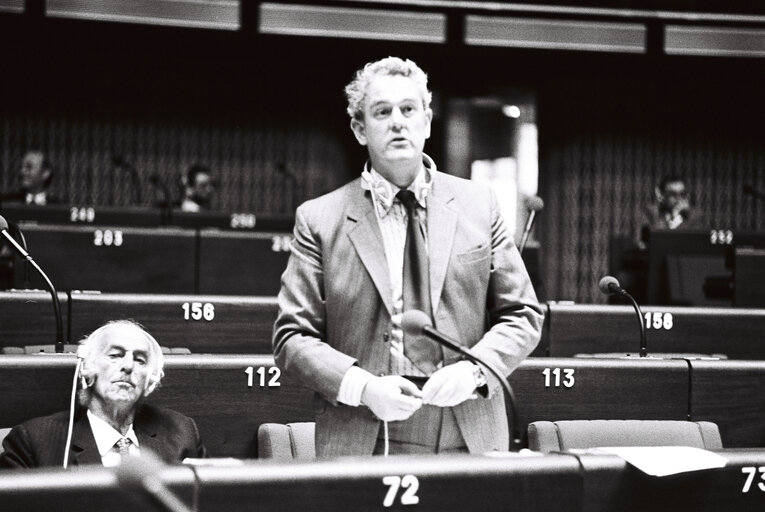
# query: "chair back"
[293,441]
[548,436]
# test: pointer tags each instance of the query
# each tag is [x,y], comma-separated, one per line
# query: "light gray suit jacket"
[335,305]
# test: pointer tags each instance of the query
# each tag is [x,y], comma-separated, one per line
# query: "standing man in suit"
[350,277]
[122,364]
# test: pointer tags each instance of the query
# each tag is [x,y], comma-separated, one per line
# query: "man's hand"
[450,386]
[391,398]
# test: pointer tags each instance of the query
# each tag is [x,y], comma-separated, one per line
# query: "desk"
[27,318]
[611,484]
[550,483]
[201,323]
[227,403]
[732,394]
[112,259]
[586,328]
[571,389]
[229,400]
[446,483]
[242,263]
[156,260]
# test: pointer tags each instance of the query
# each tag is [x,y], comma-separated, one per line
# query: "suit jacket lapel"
[147,436]
[442,226]
[367,240]
[84,449]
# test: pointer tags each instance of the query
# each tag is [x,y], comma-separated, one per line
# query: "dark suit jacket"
[335,305]
[41,441]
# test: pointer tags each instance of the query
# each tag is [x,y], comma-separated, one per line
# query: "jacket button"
[386,337]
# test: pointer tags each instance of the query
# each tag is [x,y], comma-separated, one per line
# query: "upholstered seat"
[547,436]
[285,442]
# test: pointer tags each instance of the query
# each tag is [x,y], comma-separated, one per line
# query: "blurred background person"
[198,189]
[34,177]
[671,209]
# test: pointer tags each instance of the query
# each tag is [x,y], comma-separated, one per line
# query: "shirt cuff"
[352,385]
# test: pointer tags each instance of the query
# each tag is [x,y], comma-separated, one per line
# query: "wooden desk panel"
[610,483]
[731,394]
[443,483]
[600,389]
[242,263]
[138,260]
[27,318]
[201,323]
[580,328]
[213,390]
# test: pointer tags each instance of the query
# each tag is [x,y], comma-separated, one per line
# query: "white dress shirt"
[106,438]
[392,219]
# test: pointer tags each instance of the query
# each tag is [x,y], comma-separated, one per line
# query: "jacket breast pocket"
[475,256]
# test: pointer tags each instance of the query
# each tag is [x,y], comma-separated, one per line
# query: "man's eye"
[382,112]
[141,360]
[115,355]
[408,109]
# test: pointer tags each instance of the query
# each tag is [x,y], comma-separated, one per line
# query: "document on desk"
[664,460]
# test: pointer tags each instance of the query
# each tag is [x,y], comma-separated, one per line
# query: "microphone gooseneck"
[534,204]
[142,473]
[609,285]
[54,295]
[417,323]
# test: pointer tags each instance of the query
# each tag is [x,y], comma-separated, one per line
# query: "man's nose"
[397,118]
[126,364]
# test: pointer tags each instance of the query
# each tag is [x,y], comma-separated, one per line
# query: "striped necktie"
[424,353]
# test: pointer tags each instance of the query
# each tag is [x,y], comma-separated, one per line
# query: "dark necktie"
[123,446]
[424,353]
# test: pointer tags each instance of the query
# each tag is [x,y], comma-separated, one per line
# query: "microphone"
[142,473]
[416,323]
[12,226]
[534,204]
[166,203]
[121,163]
[609,285]
[54,296]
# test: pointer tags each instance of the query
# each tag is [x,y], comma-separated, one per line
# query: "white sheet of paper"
[664,460]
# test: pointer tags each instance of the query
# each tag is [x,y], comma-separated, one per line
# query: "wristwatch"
[480,378]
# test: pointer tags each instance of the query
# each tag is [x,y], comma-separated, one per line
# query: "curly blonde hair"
[356,91]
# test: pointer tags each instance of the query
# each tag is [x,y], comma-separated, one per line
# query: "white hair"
[90,346]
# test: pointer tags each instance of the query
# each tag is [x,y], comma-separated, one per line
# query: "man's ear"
[429,118]
[657,194]
[359,130]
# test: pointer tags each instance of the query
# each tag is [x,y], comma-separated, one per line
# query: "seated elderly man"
[122,364]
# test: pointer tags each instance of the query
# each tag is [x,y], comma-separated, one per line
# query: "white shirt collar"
[384,192]
[105,434]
